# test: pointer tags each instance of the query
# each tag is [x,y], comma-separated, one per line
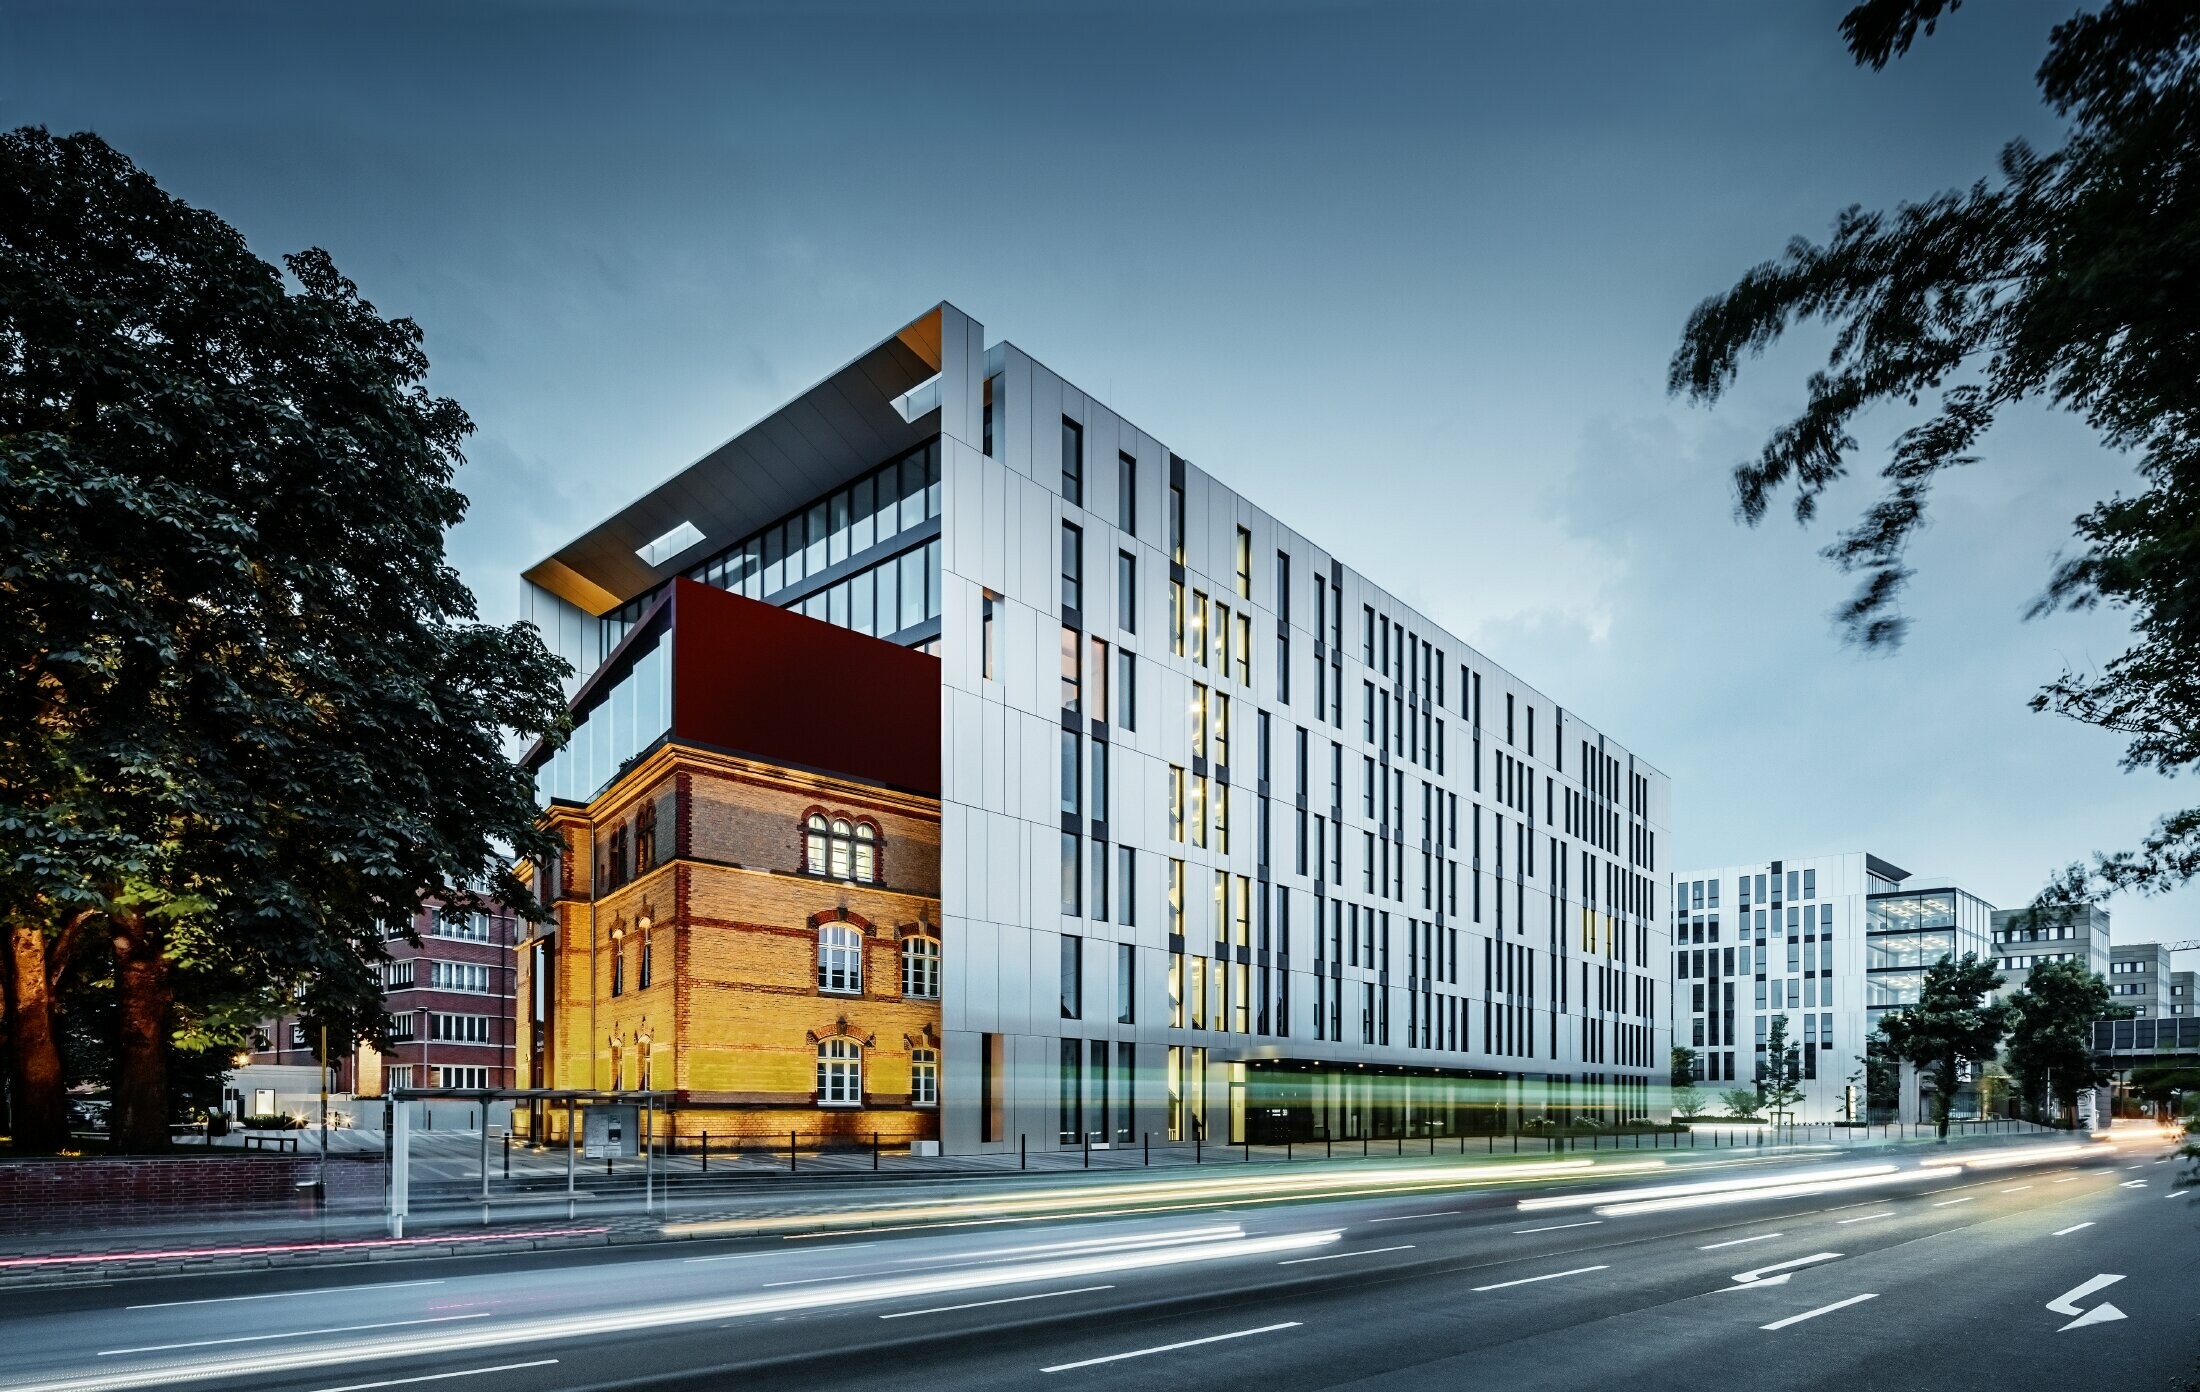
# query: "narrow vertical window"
[1126,887]
[1126,494]
[1126,591]
[1072,663]
[1073,568]
[1126,689]
[989,605]
[1072,875]
[1176,523]
[1244,563]
[1073,462]
[1126,984]
[1073,977]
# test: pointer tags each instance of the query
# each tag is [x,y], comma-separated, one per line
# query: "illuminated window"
[924,1078]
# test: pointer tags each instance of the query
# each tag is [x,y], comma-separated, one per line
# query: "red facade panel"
[758,680]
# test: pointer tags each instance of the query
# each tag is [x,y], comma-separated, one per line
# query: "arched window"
[839,1073]
[839,959]
[866,853]
[817,839]
[920,968]
[641,976]
[618,969]
[924,1078]
[843,843]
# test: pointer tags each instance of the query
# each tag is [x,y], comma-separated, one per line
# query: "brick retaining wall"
[82,1193]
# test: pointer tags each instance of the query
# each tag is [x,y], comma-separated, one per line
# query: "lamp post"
[320,1183]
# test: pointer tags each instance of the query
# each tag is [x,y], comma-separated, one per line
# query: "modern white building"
[1830,943]
[1223,821]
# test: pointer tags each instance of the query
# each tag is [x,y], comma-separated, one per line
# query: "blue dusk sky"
[1407,275]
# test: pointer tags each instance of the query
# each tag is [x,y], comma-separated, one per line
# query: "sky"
[1408,276]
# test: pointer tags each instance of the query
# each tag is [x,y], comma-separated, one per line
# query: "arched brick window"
[839,959]
[920,968]
[839,1072]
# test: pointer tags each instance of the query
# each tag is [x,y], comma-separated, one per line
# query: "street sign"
[611,1131]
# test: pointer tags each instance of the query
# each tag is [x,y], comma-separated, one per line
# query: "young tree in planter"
[1781,1083]
[2051,1034]
[232,652]
[1687,1097]
[1950,1023]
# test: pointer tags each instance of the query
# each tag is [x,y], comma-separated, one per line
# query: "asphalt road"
[2066,1273]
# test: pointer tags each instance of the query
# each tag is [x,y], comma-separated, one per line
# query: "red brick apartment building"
[451,1023]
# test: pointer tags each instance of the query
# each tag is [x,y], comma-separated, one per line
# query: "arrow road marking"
[2066,1304]
[1761,1276]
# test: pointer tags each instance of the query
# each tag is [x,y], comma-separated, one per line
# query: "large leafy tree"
[1951,1024]
[2072,276]
[2050,1051]
[246,706]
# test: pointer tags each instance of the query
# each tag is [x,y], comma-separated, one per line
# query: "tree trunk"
[144,1003]
[41,1121]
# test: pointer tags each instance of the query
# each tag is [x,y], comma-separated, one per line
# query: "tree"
[246,706]
[2167,1085]
[1742,1103]
[1951,1023]
[2074,278]
[2051,1034]
[1880,1071]
[1687,1097]
[1780,1081]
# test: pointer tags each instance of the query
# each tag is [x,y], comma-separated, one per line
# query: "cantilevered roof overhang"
[823,438]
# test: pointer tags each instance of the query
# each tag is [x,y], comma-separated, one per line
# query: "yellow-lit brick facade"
[691,906]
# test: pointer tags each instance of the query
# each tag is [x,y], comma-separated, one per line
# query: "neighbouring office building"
[1228,841]
[2140,979]
[1829,943]
[2024,938]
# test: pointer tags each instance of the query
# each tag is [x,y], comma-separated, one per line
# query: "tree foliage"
[1951,1024]
[1780,1081]
[2050,1052]
[247,710]
[2071,277]
[1688,1100]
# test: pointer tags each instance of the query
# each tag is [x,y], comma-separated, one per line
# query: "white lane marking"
[2014,1188]
[2163,1161]
[438,1377]
[1004,1300]
[2066,1304]
[1170,1348]
[282,1295]
[1409,1217]
[292,1334]
[1762,1275]
[1865,1219]
[733,1256]
[1739,1241]
[816,1280]
[1949,1203]
[1340,1256]
[2065,1232]
[2067,1179]
[2173,1194]
[1555,1227]
[1821,1310]
[2133,1184]
[1531,1280]
[2139,1166]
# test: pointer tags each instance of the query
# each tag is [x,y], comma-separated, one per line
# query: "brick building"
[451,1023]
[746,911]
